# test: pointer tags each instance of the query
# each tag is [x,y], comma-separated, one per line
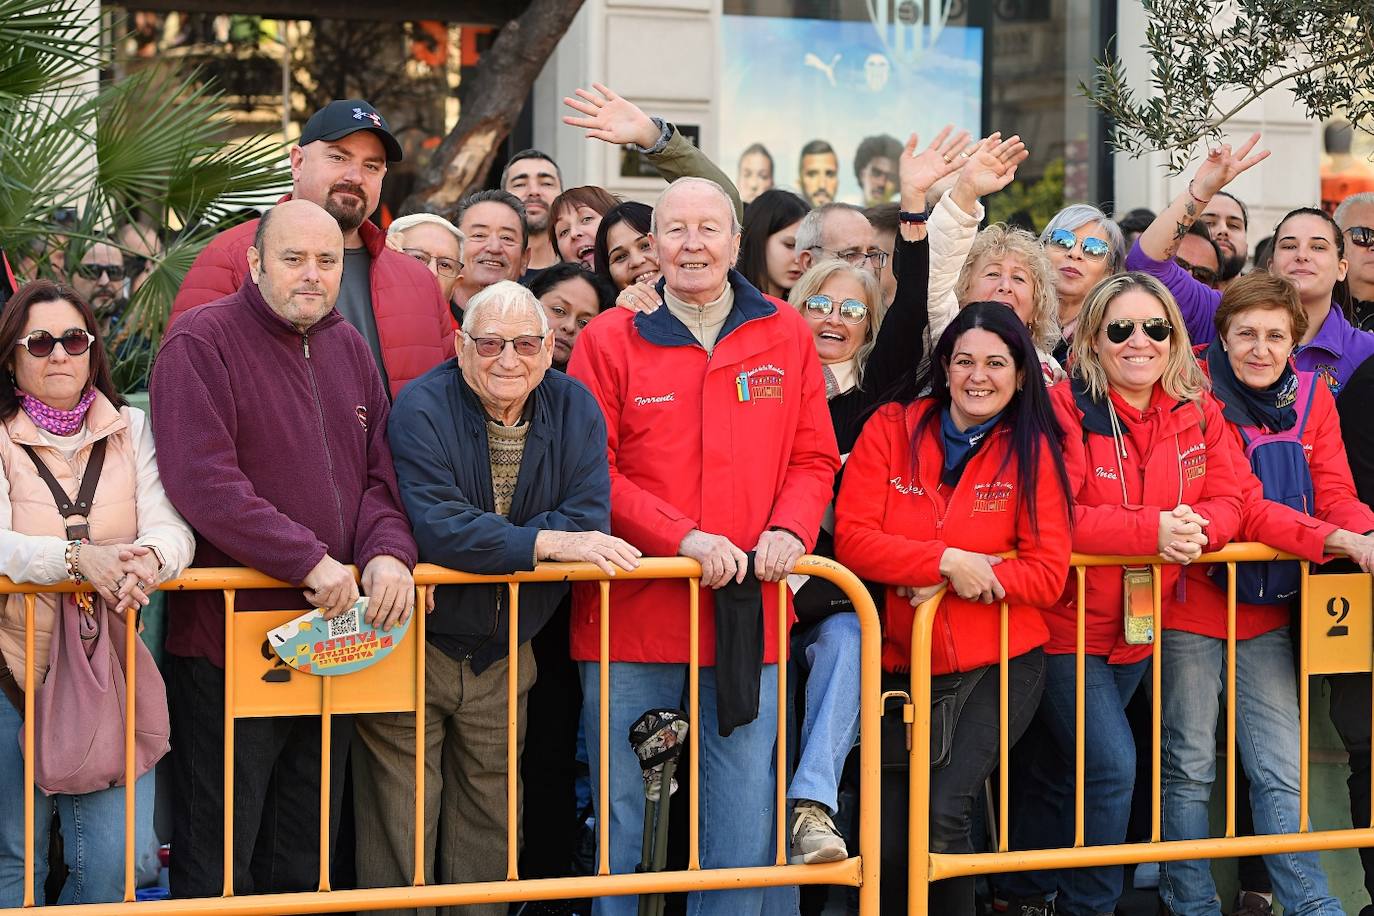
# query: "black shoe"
[1252,905]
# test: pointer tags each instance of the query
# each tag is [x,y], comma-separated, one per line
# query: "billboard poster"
[824,106]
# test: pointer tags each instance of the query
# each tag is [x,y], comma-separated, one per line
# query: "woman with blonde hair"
[1151,470]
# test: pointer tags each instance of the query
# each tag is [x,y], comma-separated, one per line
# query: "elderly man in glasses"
[434,242]
[502,463]
[720,442]
[839,231]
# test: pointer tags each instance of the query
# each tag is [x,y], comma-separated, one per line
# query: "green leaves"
[1207,66]
[149,146]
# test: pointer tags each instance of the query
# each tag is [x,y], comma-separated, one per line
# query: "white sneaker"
[814,837]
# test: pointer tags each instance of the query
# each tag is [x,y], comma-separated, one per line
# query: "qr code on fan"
[346,624]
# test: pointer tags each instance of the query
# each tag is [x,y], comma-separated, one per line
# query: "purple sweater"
[1334,353]
[273,447]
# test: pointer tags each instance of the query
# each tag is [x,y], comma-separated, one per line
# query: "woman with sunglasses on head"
[1084,247]
[1309,252]
[60,410]
[1302,502]
[935,489]
[1151,471]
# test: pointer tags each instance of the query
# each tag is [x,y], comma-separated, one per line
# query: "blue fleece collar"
[662,328]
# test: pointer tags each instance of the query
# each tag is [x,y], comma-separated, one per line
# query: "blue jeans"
[829,651]
[92,830]
[1193,678]
[738,780]
[1043,805]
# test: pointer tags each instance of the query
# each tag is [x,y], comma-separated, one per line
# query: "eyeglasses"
[1205,275]
[93,271]
[821,305]
[1362,236]
[1093,248]
[1157,329]
[74,340]
[525,345]
[857,258]
[445,267]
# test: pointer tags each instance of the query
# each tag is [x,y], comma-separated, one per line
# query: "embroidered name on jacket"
[760,383]
[656,399]
[907,489]
[992,497]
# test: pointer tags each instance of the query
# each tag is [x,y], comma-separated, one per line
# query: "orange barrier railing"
[398,682]
[1343,648]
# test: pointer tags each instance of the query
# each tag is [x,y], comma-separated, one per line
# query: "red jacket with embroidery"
[1337,506]
[413,322]
[734,443]
[1169,460]
[894,520]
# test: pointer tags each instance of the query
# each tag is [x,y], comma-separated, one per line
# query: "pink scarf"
[58,422]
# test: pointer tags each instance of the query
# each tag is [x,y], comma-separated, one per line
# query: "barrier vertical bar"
[870,758]
[781,759]
[1004,774]
[30,751]
[694,720]
[1304,683]
[1157,573]
[418,635]
[1230,699]
[229,742]
[326,742]
[1079,708]
[918,801]
[512,734]
[130,763]
[603,814]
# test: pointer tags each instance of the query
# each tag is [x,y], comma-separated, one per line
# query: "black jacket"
[438,439]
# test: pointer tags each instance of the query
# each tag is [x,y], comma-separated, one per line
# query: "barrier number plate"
[1339,626]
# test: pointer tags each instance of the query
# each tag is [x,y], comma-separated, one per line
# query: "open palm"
[918,172]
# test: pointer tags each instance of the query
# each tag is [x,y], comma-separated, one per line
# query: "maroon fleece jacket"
[272,445]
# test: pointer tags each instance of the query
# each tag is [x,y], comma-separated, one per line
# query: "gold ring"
[948,158]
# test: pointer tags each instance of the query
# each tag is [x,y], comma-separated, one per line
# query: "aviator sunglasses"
[1157,329]
[74,340]
[821,305]
[1093,248]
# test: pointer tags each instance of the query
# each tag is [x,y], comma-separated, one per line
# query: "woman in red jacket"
[1150,466]
[1303,502]
[933,491]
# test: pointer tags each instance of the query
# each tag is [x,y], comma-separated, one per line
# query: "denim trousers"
[1043,802]
[92,830]
[829,653]
[738,780]
[1267,733]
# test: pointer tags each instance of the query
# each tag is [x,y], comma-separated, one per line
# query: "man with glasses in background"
[99,278]
[1200,255]
[839,231]
[435,243]
[460,436]
[1355,216]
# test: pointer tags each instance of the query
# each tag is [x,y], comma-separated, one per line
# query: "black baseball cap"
[345,116]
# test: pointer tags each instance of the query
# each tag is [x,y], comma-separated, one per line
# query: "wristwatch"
[665,133]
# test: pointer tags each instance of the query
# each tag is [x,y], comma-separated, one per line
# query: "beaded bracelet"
[73,557]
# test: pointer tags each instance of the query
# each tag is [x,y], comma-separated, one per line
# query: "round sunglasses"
[1094,248]
[821,305]
[1157,329]
[74,340]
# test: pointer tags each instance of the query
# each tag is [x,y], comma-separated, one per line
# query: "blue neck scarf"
[961,446]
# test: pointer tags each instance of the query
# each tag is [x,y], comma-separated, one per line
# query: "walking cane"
[656,738]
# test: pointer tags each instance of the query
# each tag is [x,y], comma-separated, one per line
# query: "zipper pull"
[305,344]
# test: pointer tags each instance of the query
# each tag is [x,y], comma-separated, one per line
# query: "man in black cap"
[391,298]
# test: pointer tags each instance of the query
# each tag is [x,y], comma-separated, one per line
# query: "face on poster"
[824,107]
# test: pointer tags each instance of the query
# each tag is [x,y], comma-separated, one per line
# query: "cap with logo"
[345,116]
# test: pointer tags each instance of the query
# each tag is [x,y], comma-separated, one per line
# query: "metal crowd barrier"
[397,683]
[1343,647]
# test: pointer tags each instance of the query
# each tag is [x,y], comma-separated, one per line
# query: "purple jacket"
[1334,354]
[273,447]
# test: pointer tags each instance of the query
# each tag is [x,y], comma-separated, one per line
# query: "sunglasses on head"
[525,345]
[1094,248]
[1157,329]
[93,271]
[1362,236]
[821,305]
[74,340]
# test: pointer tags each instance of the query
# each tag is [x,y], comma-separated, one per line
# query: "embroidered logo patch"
[1194,465]
[361,412]
[360,115]
[1327,373]
[760,383]
[992,497]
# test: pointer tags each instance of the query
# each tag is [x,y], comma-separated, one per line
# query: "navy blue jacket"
[438,436]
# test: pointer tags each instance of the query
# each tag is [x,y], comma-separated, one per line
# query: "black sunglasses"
[93,271]
[1201,274]
[1362,236]
[74,340]
[1157,329]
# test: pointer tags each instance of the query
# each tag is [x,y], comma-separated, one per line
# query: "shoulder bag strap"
[82,505]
